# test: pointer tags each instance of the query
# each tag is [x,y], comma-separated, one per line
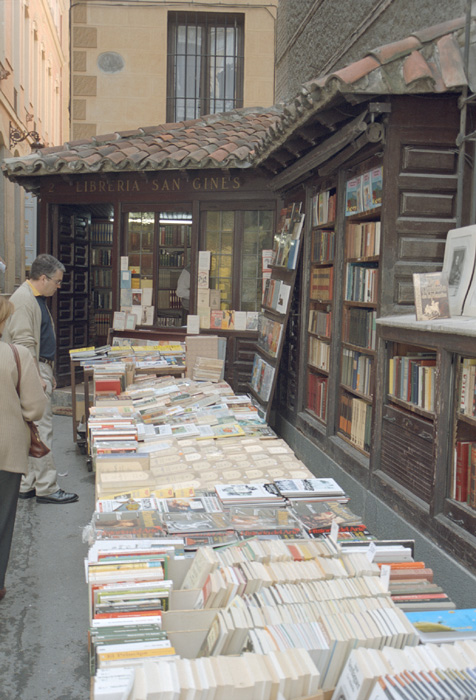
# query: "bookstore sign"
[134,185]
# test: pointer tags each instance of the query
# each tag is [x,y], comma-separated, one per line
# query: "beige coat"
[14,433]
[24,326]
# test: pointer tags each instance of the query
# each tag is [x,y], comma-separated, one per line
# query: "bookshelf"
[432,434]
[320,302]
[174,255]
[276,304]
[101,280]
[358,318]
[462,485]
[158,247]
[408,427]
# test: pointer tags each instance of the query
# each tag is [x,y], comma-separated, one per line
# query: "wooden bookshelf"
[434,471]
[319,323]
[358,315]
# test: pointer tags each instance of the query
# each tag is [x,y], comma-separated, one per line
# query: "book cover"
[216,318]
[431,292]
[228,320]
[366,192]
[251,521]
[321,514]
[215,298]
[444,625]
[246,493]
[119,320]
[204,258]
[191,522]
[203,299]
[353,196]
[126,278]
[376,180]
[252,320]
[128,525]
[292,488]
[203,279]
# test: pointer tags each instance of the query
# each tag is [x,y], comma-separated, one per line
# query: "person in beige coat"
[14,433]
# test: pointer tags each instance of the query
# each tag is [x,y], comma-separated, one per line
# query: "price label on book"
[371,551]
[385,575]
[334,533]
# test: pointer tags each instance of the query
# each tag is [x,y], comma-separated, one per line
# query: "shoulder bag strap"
[18,363]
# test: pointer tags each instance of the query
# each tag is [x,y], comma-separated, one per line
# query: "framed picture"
[458,265]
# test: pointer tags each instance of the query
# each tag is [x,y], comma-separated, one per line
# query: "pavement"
[44,615]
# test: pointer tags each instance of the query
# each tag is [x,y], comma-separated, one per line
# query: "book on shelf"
[269,335]
[461,471]
[353,196]
[376,183]
[321,283]
[467,404]
[262,377]
[431,292]
[323,246]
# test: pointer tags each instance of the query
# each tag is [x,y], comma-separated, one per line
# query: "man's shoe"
[3,592]
[26,494]
[58,496]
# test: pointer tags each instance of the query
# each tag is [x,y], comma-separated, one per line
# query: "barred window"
[205,64]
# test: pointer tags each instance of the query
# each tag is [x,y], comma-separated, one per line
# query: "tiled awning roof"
[428,61]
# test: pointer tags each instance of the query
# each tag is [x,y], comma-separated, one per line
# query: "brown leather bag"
[37,446]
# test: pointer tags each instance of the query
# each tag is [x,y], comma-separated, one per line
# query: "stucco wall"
[136,95]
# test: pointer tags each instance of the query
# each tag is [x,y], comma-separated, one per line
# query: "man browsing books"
[31,325]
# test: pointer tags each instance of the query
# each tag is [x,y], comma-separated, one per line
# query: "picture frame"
[458,265]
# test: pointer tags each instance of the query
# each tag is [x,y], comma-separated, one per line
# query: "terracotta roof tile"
[353,72]
[451,61]
[390,52]
[415,68]
[434,32]
[428,61]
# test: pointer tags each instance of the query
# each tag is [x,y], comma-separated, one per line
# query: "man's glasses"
[57,282]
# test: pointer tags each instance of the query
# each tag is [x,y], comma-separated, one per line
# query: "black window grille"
[205,64]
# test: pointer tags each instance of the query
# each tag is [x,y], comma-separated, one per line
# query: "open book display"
[221,557]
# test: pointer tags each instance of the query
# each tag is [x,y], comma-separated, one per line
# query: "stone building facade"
[34,93]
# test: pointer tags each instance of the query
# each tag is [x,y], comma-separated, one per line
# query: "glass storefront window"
[244,234]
